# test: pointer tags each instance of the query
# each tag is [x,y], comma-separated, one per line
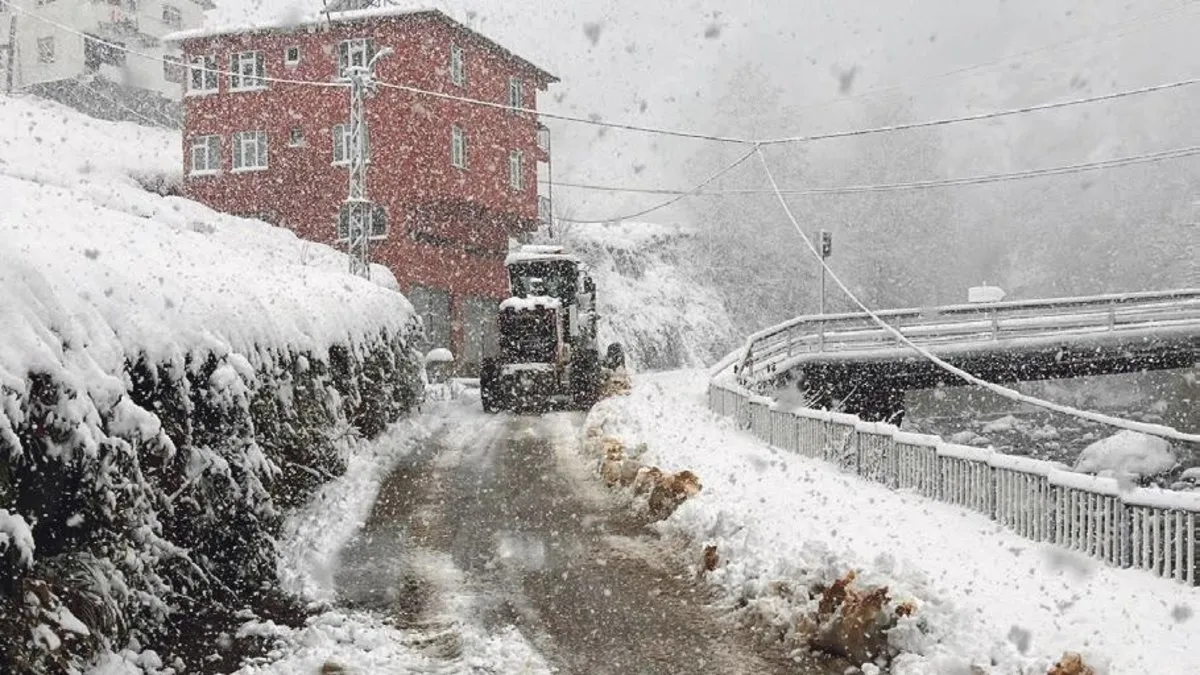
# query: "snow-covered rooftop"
[290,21]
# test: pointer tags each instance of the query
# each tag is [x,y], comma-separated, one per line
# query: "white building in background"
[46,43]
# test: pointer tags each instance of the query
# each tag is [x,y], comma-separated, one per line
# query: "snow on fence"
[1144,528]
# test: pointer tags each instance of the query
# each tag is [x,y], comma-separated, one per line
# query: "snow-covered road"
[492,547]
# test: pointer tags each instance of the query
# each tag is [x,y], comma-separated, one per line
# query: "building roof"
[349,16]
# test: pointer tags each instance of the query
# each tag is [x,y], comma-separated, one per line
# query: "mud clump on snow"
[1071,664]
[664,491]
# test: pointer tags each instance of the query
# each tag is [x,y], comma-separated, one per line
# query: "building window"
[172,16]
[515,94]
[291,56]
[98,52]
[247,71]
[249,150]
[202,75]
[458,66]
[296,137]
[173,70]
[206,155]
[516,170]
[458,147]
[356,52]
[45,50]
[342,144]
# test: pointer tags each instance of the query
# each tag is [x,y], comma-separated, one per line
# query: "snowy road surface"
[500,523]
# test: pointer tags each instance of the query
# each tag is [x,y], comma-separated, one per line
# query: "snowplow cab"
[548,350]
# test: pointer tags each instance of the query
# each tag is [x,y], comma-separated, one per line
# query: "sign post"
[826,251]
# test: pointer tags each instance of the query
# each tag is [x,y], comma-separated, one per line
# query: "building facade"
[265,137]
[59,42]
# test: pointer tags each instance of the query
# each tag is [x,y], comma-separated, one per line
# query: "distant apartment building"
[81,51]
[265,136]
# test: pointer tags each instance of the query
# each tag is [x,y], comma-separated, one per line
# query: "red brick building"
[456,179]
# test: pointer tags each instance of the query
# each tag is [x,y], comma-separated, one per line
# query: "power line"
[1141,427]
[568,118]
[654,130]
[705,183]
[946,121]
[911,185]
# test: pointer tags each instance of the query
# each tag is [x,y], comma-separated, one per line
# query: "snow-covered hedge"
[649,297]
[171,380]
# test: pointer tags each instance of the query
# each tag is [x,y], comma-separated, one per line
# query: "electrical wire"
[1161,431]
[705,183]
[995,114]
[654,130]
[567,118]
[911,185]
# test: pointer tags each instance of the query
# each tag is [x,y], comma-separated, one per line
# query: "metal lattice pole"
[358,211]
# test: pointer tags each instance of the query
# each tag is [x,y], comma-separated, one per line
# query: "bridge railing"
[778,348]
[1143,528]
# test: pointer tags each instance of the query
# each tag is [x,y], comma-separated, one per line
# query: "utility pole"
[360,221]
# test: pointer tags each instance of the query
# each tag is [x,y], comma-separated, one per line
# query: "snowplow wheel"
[489,386]
[585,379]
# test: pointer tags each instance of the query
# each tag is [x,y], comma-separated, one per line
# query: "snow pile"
[986,600]
[1127,453]
[648,299]
[171,378]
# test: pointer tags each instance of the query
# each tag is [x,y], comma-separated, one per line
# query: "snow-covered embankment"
[171,380]
[986,600]
[650,299]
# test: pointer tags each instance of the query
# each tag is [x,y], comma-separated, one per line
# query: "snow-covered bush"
[171,381]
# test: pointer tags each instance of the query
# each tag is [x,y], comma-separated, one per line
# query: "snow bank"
[986,598]
[172,376]
[648,298]
[1128,453]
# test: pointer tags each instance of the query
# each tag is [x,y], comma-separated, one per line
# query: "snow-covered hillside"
[170,377]
[649,300]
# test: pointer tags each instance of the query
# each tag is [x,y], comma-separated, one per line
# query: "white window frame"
[172,16]
[516,170]
[209,148]
[247,71]
[458,66]
[244,141]
[204,67]
[287,53]
[516,94]
[45,49]
[351,48]
[342,132]
[458,147]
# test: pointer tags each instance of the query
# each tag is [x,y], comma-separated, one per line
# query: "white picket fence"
[1143,528]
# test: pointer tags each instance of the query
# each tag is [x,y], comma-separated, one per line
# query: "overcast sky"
[669,63]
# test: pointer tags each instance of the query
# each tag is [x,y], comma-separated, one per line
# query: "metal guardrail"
[942,329]
[1142,528]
